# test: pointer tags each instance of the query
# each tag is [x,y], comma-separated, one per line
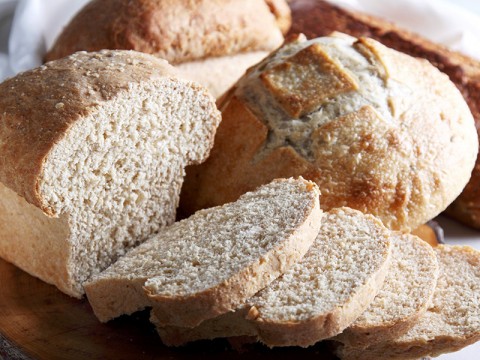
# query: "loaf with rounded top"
[212,262]
[452,321]
[377,130]
[318,297]
[320,18]
[404,297]
[97,144]
[182,32]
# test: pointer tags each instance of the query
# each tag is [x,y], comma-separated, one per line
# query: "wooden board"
[39,322]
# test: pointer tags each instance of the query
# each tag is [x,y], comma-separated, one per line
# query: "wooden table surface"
[39,322]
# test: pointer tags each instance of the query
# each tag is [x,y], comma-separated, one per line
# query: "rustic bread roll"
[318,297]
[452,321]
[93,154]
[185,33]
[320,18]
[377,130]
[212,262]
[405,296]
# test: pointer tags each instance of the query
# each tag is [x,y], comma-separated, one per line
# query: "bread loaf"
[404,297]
[320,18]
[377,130]
[318,298]
[212,262]
[452,321]
[93,154]
[200,37]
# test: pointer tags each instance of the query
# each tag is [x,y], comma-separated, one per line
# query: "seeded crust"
[72,134]
[212,262]
[405,296]
[395,138]
[320,18]
[452,321]
[318,298]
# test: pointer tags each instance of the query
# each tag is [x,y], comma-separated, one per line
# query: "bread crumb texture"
[451,322]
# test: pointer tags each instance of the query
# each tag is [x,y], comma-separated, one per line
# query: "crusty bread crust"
[320,18]
[176,30]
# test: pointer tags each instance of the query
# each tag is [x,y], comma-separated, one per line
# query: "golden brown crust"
[300,96]
[319,18]
[29,239]
[38,107]
[176,30]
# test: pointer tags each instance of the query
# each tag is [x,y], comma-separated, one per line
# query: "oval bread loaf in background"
[212,42]
[377,130]
[93,150]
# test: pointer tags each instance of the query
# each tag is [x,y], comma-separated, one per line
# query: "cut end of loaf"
[117,129]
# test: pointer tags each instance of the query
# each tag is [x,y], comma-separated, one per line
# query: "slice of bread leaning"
[93,151]
[452,321]
[318,298]
[212,262]
[405,296]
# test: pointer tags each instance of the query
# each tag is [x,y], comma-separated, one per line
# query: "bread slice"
[93,151]
[318,298]
[452,321]
[358,108]
[213,261]
[405,295]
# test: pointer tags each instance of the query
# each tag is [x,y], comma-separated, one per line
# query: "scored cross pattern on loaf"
[306,80]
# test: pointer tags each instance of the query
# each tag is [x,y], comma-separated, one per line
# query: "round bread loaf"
[377,130]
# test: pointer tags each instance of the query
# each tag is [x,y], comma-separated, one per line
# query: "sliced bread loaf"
[213,261]
[452,321]
[319,297]
[405,296]
[93,151]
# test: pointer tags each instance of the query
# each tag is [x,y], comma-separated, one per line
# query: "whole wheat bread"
[318,298]
[212,262]
[452,321]
[404,297]
[93,150]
